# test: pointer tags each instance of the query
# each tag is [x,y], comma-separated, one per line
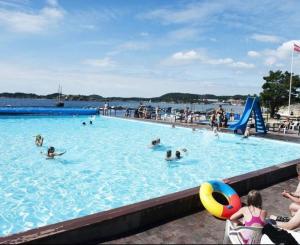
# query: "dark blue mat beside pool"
[47,111]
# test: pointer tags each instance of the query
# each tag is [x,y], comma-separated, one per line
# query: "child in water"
[39,140]
[51,153]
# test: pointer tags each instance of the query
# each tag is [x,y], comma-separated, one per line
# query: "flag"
[296,47]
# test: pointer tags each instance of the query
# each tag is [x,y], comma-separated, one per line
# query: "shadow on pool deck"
[202,227]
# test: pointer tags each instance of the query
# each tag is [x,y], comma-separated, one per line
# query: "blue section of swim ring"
[219,186]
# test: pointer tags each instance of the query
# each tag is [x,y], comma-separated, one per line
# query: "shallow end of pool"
[115,223]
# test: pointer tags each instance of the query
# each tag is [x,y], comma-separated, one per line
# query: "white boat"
[60,102]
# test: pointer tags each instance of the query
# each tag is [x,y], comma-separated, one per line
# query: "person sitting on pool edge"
[39,140]
[253,215]
[293,222]
[51,153]
[155,143]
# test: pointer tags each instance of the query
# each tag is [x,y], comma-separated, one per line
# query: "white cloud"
[20,21]
[187,56]
[219,61]
[192,56]
[13,3]
[240,64]
[253,54]
[266,38]
[282,53]
[105,62]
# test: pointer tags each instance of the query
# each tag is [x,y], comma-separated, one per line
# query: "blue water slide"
[252,104]
[47,111]
[242,123]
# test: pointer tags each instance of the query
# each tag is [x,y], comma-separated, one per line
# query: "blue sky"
[145,47]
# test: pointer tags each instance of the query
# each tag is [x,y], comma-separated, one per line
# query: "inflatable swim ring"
[215,208]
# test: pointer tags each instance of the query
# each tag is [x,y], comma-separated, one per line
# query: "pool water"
[109,164]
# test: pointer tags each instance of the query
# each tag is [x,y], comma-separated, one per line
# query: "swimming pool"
[108,165]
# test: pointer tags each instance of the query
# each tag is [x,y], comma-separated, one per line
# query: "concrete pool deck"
[202,228]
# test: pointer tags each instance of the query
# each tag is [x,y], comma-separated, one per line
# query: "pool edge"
[118,222]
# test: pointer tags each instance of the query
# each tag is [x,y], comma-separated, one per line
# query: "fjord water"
[109,164]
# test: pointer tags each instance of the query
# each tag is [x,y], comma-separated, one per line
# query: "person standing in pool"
[39,140]
[247,133]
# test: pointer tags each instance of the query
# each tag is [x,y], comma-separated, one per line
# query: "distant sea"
[130,104]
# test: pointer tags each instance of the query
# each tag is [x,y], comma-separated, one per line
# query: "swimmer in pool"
[39,140]
[51,153]
[178,154]
[155,143]
[169,155]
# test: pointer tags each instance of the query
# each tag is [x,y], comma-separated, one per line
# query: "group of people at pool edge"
[219,120]
[255,216]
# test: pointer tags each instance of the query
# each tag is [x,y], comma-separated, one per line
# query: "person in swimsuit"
[39,140]
[253,215]
[51,153]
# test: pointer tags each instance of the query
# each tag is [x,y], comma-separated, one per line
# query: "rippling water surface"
[109,164]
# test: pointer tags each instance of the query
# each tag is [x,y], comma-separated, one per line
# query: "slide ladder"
[252,106]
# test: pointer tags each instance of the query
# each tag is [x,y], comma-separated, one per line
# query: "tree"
[276,90]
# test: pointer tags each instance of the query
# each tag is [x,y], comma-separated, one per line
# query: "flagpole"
[291,78]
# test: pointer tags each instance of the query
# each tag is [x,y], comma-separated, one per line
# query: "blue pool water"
[109,164]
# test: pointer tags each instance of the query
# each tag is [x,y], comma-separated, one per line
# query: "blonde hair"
[254,199]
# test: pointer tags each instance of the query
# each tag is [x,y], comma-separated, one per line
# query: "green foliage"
[276,90]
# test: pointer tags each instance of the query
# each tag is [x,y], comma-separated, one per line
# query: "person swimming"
[169,155]
[51,153]
[83,123]
[91,122]
[39,140]
[178,154]
[155,143]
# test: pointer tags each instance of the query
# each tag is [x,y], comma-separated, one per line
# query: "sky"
[145,48]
